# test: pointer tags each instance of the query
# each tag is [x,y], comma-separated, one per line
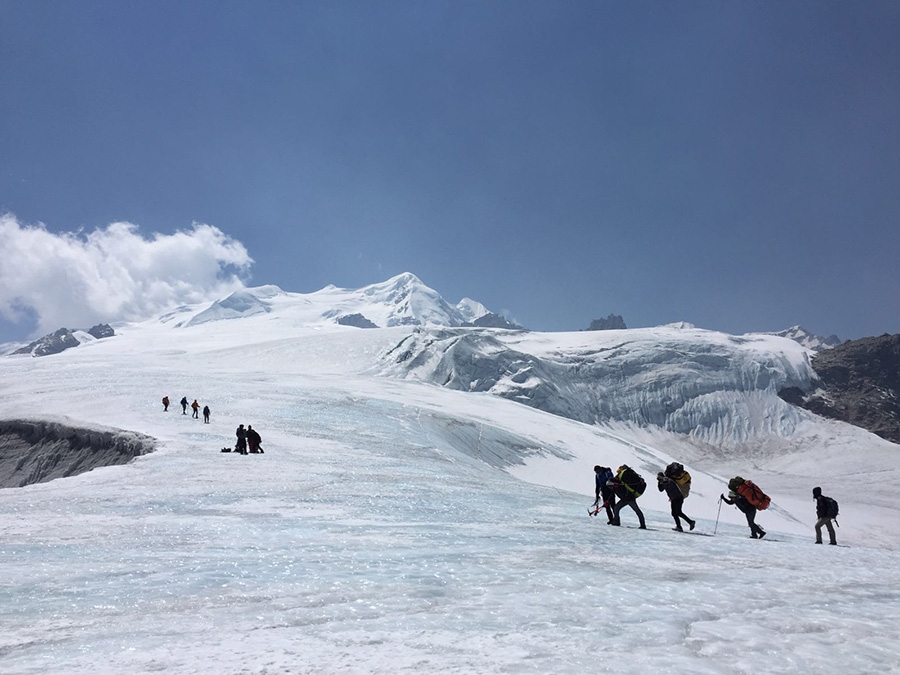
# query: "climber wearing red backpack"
[745,495]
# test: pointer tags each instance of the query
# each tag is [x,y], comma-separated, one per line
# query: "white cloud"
[114,273]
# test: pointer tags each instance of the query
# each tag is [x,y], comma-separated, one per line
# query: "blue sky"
[734,165]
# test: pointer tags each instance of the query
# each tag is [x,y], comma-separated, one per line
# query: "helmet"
[817,492]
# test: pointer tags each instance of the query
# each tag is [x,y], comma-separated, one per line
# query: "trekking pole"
[716,528]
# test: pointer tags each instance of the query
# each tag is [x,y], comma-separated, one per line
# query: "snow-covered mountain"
[471,310]
[809,340]
[715,387]
[400,301]
[421,502]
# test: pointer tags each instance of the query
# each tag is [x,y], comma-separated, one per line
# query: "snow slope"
[398,525]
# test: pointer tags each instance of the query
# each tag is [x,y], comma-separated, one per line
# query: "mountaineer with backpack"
[749,499]
[676,483]
[603,476]
[253,440]
[826,511]
[628,486]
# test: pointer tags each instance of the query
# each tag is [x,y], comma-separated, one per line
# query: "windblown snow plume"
[113,273]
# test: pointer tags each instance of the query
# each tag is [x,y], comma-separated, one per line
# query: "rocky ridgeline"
[611,322]
[859,383]
[63,339]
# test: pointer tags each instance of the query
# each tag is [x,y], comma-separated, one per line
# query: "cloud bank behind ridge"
[114,273]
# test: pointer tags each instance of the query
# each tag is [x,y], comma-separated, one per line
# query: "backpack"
[632,482]
[682,478]
[831,507]
[751,492]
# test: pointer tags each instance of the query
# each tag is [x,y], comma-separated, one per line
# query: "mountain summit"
[404,300]
[802,336]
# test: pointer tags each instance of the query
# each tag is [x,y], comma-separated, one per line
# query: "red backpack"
[751,492]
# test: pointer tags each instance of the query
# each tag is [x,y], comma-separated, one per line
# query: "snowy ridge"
[400,301]
[471,310]
[242,303]
[803,337]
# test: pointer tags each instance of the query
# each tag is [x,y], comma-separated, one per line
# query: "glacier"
[421,505]
[717,388]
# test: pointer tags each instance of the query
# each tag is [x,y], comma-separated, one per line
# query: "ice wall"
[37,451]
[716,388]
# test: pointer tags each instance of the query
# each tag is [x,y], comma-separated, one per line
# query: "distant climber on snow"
[241,433]
[206,414]
[826,511]
[165,404]
[603,489]
[196,408]
[747,496]
[184,404]
[676,483]
[253,440]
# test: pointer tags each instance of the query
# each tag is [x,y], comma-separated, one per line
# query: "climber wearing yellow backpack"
[676,483]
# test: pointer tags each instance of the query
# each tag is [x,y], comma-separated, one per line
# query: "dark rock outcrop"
[63,339]
[50,344]
[491,320]
[611,322]
[859,383]
[102,330]
[356,320]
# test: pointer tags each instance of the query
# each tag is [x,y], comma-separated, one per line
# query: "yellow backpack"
[682,478]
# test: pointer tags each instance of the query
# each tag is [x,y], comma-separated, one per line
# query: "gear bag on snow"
[831,507]
[682,478]
[750,491]
[630,483]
